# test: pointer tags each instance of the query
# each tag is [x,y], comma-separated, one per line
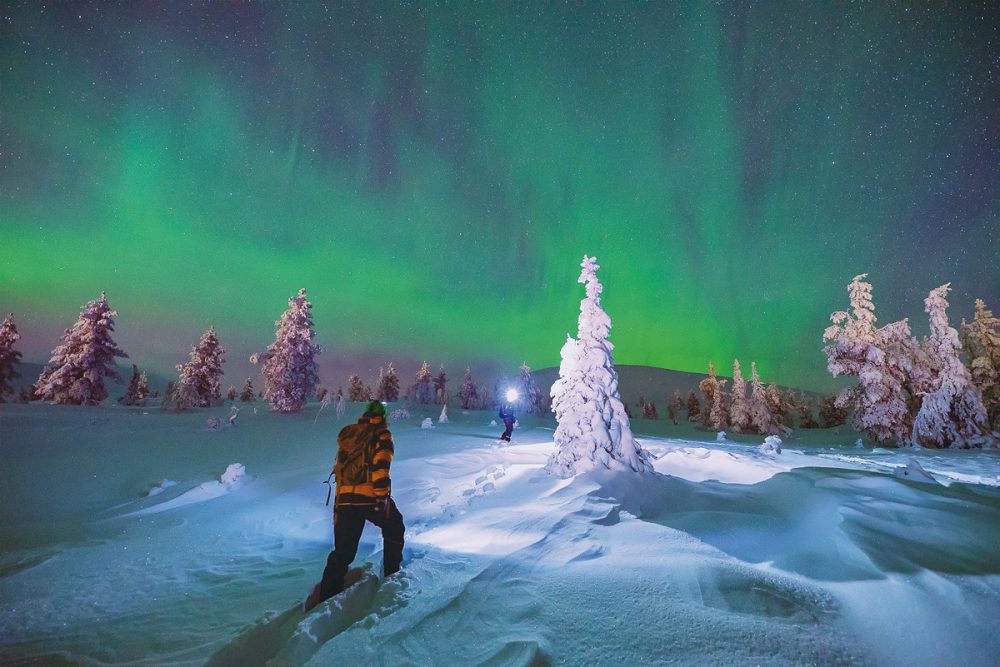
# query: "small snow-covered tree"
[739,412]
[84,357]
[649,411]
[355,389]
[675,407]
[421,392]
[982,346]
[8,356]
[468,394]
[693,406]
[231,393]
[879,358]
[441,386]
[443,418]
[289,364]
[247,393]
[203,369]
[709,386]
[138,388]
[718,417]
[321,393]
[531,399]
[593,427]
[952,414]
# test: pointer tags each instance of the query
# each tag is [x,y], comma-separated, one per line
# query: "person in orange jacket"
[364,493]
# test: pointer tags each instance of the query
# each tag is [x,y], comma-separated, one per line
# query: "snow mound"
[160,487]
[720,436]
[915,472]
[235,472]
[427,423]
[772,445]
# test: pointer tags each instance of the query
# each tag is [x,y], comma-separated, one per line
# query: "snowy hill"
[131,536]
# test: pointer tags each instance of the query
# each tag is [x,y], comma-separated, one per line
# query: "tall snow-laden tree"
[289,364]
[84,357]
[203,370]
[8,356]
[441,386]
[709,387]
[138,388]
[952,414]
[982,345]
[531,399]
[593,427]
[718,417]
[421,392]
[355,389]
[387,386]
[877,357]
[247,393]
[693,406]
[468,395]
[761,416]
[779,404]
[739,412]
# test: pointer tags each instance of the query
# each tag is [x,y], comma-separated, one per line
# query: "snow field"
[819,554]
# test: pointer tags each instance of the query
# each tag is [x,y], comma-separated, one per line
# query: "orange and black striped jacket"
[370,430]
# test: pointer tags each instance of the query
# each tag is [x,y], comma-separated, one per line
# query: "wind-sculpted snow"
[822,554]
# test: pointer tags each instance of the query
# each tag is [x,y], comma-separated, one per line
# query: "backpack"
[356,467]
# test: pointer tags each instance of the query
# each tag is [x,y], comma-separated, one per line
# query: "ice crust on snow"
[772,445]
[731,556]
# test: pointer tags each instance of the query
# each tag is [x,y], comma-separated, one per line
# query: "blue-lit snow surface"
[121,543]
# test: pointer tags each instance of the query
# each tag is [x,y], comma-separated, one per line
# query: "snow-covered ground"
[128,536]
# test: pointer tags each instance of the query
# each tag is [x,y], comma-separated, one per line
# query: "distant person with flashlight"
[506,413]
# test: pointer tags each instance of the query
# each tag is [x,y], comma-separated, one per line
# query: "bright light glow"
[511,395]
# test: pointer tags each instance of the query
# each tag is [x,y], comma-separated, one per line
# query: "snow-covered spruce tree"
[781,408]
[8,356]
[84,357]
[289,364]
[355,389]
[441,386]
[593,427]
[468,395]
[739,412]
[709,386]
[231,393]
[762,418]
[855,346]
[379,381]
[693,406]
[203,369]
[982,346]
[952,414]
[247,393]
[531,399]
[718,417]
[421,392]
[387,386]
[138,388]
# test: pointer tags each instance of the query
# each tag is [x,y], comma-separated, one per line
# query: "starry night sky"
[434,172]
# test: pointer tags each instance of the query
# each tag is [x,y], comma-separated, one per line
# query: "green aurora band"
[433,174]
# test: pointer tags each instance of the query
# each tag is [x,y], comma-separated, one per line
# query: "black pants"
[509,429]
[348,523]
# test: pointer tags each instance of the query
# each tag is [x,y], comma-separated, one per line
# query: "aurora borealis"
[433,173]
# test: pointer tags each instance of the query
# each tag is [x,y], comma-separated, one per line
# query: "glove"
[382,505]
